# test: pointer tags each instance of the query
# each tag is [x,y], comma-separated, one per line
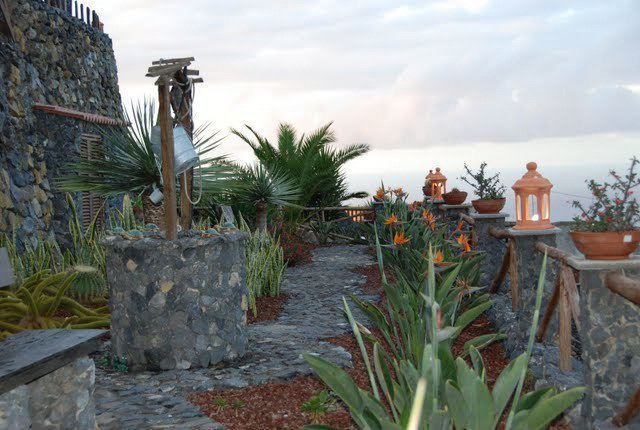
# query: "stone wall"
[177,304]
[56,60]
[63,399]
[610,335]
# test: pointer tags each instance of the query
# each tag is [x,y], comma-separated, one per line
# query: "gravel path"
[156,400]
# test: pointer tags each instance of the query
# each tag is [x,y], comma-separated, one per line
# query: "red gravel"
[268,308]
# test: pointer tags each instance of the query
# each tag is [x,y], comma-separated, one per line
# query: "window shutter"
[90,148]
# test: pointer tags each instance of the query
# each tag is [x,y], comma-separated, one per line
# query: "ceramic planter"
[492,206]
[454,197]
[609,245]
[426,190]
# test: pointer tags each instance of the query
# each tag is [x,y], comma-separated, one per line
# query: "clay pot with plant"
[455,197]
[426,190]
[489,190]
[608,228]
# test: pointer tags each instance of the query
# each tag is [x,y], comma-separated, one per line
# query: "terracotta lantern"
[438,185]
[533,204]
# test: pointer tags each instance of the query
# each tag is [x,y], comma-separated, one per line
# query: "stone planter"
[177,304]
[493,206]
[609,245]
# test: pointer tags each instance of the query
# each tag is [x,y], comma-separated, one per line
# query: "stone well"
[177,304]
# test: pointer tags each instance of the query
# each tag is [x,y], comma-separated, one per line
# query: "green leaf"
[547,410]
[506,384]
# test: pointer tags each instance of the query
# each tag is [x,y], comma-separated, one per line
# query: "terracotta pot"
[609,245]
[492,206]
[454,197]
[426,190]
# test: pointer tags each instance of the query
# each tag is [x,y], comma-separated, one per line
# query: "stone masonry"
[177,304]
[61,400]
[56,60]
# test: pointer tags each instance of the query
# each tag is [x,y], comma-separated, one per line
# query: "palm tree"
[261,187]
[128,164]
[309,161]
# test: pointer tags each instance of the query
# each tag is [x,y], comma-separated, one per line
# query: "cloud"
[414,75]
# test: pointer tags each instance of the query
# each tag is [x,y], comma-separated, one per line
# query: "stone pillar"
[450,214]
[610,337]
[492,247]
[177,304]
[529,265]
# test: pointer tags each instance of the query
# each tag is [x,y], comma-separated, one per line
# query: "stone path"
[156,400]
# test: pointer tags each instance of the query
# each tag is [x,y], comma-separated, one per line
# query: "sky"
[425,84]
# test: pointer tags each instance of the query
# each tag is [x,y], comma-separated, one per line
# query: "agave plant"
[128,164]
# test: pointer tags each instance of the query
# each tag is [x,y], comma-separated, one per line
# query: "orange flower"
[460,224]
[398,191]
[380,193]
[438,258]
[464,241]
[391,220]
[429,219]
[399,239]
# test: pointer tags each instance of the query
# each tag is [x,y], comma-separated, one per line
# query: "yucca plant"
[262,187]
[128,165]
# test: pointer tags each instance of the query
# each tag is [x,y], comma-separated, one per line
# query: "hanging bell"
[185,155]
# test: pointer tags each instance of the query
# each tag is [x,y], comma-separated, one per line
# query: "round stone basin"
[177,304]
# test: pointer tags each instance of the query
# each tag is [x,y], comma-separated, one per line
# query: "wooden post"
[168,161]
[564,341]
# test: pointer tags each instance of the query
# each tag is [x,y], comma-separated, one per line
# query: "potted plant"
[489,190]
[426,190]
[454,197]
[607,229]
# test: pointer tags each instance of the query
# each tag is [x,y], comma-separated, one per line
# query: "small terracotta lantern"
[533,204]
[438,185]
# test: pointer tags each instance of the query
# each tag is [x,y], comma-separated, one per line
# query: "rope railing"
[77,10]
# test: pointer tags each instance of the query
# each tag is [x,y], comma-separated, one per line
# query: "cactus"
[88,285]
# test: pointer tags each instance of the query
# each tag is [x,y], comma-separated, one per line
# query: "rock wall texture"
[61,400]
[56,60]
[610,335]
[177,304]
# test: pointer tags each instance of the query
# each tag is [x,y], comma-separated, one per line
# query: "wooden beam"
[466,218]
[552,252]
[173,60]
[564,335]
[513,274]
[192,72]
[500,233]
[551,306]
[631,409]
[504,268]
[168,161]
[626,287]
[197,81]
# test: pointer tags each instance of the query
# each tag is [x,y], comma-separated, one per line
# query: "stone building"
[58,86]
